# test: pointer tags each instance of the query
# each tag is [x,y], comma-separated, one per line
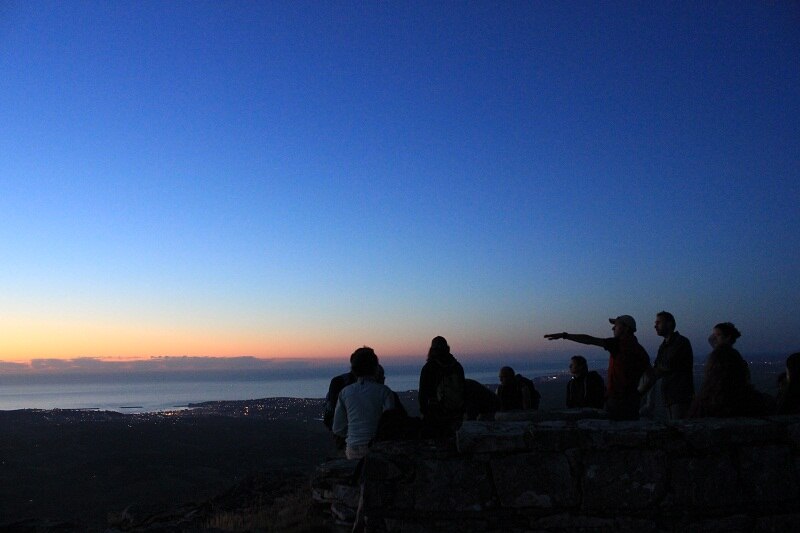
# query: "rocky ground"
[88,470]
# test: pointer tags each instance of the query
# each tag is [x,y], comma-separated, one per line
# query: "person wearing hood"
[441,388]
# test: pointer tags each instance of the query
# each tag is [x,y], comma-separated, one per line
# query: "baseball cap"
[625,319]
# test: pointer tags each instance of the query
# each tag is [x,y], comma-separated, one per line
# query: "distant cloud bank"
[184,364]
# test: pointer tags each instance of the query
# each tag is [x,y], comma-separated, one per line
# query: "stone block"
[777,524]
[767,475]
[492,437]
[556,436]
[343,513]
[380,466]
[605,434]
[578,413]
[726,524]
[623,479]
[704,482]
[450,486]
[541,480]
[568,523]
[793,431]
[707,433]
[346,494]
[337,469]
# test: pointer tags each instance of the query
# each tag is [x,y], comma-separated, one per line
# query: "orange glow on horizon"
[24,341]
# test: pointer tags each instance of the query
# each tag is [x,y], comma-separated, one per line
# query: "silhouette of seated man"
[516,391]
[585,388]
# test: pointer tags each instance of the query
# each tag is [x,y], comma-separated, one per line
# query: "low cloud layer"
[91,365]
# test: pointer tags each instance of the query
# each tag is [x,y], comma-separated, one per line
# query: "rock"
[534,480]
[623,479]
[480,437]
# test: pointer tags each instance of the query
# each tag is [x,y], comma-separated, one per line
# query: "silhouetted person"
[380,377]
[585,388]
[480,402]
[627,362]
[726,389]
[335,387]
[674,366]
[516,391]
[441,389]
[361,404]
[789,396]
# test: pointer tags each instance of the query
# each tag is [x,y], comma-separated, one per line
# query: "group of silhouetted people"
[359,408]
[726,389]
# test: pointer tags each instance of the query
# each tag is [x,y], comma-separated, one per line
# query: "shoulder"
[346,391]
[680,340]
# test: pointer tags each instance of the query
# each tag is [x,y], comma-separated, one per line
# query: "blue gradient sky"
[295,179]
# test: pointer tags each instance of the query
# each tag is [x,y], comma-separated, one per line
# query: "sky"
[297,179]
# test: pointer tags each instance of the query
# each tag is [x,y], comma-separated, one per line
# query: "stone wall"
[574,474]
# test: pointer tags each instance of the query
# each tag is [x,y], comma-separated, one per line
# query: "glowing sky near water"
[291,179]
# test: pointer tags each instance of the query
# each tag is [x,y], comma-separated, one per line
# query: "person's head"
[624,325]
[506,375]
[793,369]
[723,334]
[665,324]
[578,365]
[380,374]
[363,362]
[439,349]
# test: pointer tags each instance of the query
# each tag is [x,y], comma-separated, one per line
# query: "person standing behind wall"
[584,389]
[441,389]
[516,391]
[674,366]
[627,361]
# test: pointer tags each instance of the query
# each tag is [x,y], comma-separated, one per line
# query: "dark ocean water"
[149,392]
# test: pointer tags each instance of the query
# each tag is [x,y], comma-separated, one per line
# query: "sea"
[143,392]
[155,392]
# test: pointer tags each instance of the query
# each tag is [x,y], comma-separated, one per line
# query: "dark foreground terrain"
[88,471]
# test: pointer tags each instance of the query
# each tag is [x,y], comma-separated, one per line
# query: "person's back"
[627,361]
[441,387]
[726,387]
[364,401]
[360,405]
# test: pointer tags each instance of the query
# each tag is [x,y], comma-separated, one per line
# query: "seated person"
[337,384]
[585,388]
[361,404]
[789,396]
[480,402]
[516,391]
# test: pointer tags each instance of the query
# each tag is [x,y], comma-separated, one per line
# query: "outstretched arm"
[583,339]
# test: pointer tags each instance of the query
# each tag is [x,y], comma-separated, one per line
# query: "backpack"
[528,384]
[450,393]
